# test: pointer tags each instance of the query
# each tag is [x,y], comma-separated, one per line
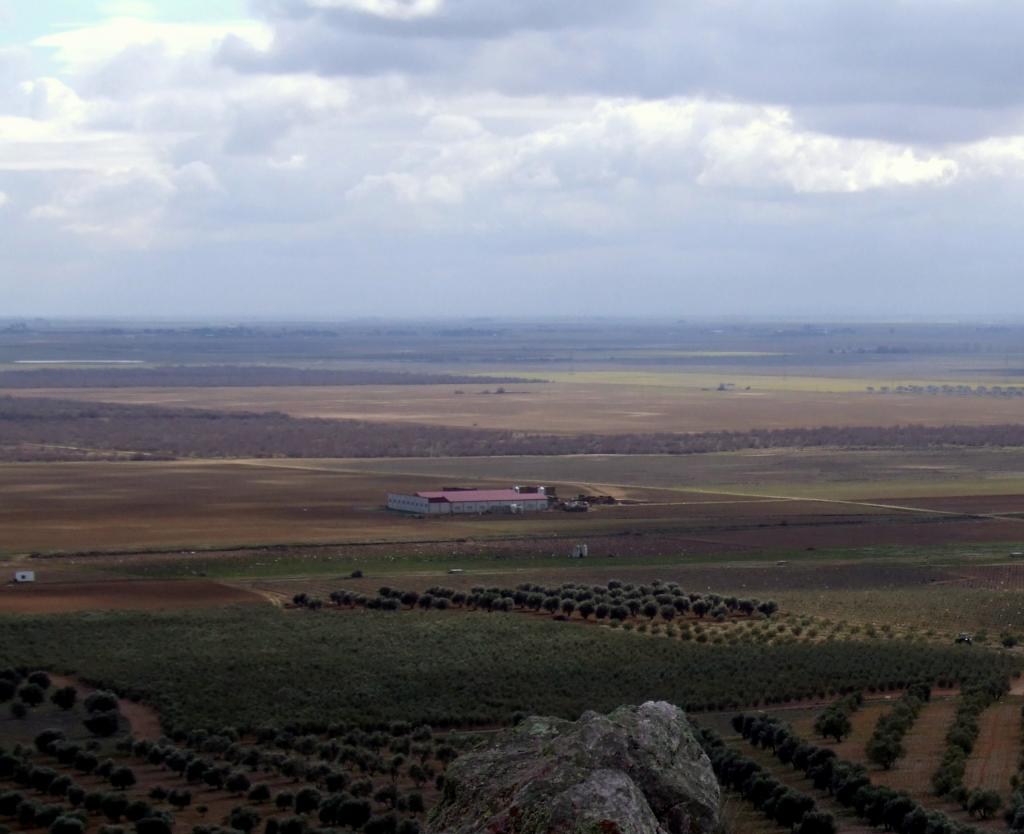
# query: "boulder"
[637,770]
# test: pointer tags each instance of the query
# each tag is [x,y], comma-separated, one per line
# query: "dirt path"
[144,720]
[994,759]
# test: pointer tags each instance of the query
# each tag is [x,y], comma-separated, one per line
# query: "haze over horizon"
[322,159]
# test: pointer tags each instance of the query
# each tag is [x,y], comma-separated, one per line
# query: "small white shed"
[25,576]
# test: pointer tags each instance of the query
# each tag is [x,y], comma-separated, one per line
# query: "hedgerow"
[251,666]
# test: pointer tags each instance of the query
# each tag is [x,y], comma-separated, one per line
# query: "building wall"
[408,503]
[462,507]
[423,506]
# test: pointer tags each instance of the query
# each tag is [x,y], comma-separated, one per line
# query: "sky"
[347,158]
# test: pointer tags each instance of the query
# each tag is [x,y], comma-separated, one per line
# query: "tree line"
[232,376]
[615,601]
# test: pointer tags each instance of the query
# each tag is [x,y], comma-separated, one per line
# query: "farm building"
[462,501]
[25,576]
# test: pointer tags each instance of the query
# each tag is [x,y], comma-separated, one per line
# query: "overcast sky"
[336,158]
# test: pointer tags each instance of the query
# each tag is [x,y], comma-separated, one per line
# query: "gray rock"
[637,770]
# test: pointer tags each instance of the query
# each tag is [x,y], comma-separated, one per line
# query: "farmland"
[167,658]
[730,503]
[644,404]
[174,508]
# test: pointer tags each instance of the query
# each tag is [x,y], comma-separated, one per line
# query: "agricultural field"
[610,404]
[210,543]
[66,763]
[729,503]
[167,659]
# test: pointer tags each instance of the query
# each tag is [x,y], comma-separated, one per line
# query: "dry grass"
[620,403]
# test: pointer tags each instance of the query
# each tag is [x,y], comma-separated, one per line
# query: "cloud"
[86,47]
[389,9]
[598,155]
[128,8]
[843,68]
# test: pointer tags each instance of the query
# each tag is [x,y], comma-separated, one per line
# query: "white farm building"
[461,501]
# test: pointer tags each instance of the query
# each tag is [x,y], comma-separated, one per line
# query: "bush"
[122,777]
[157,824]
[983,803]
[31,694]
[47,737]
[66,825]
[258,793]
[65,697]
[40,679]
[103,724]
[244,819]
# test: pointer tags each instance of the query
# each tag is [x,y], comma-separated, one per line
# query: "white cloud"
[1001,156]
[36,145]
[768,149]
[84,48]
[586,165]
[128,8]
[4,199]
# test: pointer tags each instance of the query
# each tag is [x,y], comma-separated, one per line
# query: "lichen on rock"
[637,770]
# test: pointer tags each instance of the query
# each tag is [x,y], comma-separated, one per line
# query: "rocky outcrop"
[637,770]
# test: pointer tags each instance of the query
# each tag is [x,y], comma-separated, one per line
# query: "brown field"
[61,597]
[124,505]
[925,744]
[81,507]
[77,507]
[994,759]
[617,406]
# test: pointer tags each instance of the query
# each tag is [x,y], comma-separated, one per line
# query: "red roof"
[482,495]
